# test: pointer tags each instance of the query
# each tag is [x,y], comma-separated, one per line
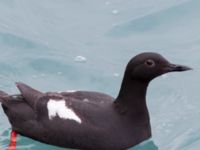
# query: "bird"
[90,120]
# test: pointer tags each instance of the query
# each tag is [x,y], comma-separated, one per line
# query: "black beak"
[176,68]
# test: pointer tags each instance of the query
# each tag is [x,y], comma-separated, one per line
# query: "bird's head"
[147,66]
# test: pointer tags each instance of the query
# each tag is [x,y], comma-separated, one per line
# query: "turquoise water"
[40,42]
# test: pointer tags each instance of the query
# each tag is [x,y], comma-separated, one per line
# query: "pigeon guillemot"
[89,120]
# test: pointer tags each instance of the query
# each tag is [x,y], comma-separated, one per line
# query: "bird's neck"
[132,98]
[131,105]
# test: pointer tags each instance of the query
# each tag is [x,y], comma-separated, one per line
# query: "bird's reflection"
[147,145]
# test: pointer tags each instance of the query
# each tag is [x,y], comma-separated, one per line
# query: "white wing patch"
[58,108]
[71,91]
[86,100]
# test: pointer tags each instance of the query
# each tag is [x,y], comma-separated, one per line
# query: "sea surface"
[57,45]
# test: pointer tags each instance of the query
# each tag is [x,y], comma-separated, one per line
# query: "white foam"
[34,76]
[115,12]
[59,108]
[43,75]
[71,91]
[80,59]
[59,73]
[107,3]
[116,74]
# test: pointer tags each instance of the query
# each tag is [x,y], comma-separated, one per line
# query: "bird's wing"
[49,105]
[89,96]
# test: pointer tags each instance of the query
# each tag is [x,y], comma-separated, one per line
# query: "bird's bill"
[176,68]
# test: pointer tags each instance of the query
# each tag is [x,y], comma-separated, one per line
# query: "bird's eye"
[150,63]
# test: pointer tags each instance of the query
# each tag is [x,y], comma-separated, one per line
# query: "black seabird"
[90,120]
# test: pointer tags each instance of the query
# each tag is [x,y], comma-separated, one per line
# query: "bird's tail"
[3,96]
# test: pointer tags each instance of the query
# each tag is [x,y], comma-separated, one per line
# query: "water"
[85,45]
